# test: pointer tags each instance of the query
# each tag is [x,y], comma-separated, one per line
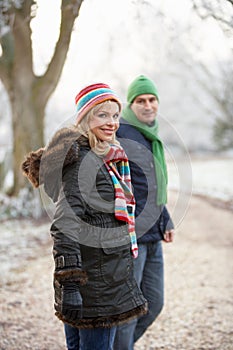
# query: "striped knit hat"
[91,96]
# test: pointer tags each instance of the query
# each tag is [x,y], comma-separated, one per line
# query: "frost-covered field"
[211,177]
[19,242]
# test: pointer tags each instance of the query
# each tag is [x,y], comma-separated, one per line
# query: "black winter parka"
[90,245]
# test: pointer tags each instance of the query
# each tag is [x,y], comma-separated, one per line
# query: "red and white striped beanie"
[91,96]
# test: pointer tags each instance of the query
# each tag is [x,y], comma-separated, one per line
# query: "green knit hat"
[140,86]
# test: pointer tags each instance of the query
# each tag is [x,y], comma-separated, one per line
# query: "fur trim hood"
[45,166]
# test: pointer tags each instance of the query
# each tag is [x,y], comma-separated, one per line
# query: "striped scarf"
[117,165]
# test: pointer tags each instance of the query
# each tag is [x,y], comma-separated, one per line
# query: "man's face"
[145,108]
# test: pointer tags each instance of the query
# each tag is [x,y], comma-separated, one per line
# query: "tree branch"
[217,10]
[48,82]
[22,37]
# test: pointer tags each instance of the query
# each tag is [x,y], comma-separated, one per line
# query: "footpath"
[198,286]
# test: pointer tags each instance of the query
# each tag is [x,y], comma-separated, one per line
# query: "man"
[138,134]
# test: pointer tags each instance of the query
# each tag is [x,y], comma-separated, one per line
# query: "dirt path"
[199,286]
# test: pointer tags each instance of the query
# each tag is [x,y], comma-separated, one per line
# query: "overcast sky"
[116,20]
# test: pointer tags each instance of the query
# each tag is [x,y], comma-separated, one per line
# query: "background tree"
[28,93]
[222,12]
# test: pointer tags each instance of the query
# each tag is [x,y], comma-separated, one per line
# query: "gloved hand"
[68,300]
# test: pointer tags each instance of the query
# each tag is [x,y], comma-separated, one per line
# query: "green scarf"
[151,133]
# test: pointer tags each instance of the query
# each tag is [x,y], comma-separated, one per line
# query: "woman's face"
[105,121]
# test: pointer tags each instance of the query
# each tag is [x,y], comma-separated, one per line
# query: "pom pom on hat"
[91,96]
[140,86]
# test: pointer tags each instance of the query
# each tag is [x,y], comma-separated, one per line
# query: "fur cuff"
[71,275]
[31,166]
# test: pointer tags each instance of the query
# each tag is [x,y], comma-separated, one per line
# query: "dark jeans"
[72,337]
[149,274]
[89,339]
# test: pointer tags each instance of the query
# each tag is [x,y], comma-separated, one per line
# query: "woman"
[85,171]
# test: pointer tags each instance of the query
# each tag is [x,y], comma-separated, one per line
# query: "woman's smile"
[105,122]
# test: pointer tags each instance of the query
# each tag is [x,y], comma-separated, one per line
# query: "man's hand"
[169,236]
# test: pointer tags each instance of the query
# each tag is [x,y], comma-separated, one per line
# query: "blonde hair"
[99,147]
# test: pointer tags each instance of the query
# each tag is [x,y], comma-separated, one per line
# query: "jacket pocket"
[116,264]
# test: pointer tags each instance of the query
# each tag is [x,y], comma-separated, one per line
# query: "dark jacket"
[88,240]
[151,220]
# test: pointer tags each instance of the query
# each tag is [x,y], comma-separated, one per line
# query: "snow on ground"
[211,177]
[19,240]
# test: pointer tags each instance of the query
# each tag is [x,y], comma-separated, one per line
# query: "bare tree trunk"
[28,125]
[28,93]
